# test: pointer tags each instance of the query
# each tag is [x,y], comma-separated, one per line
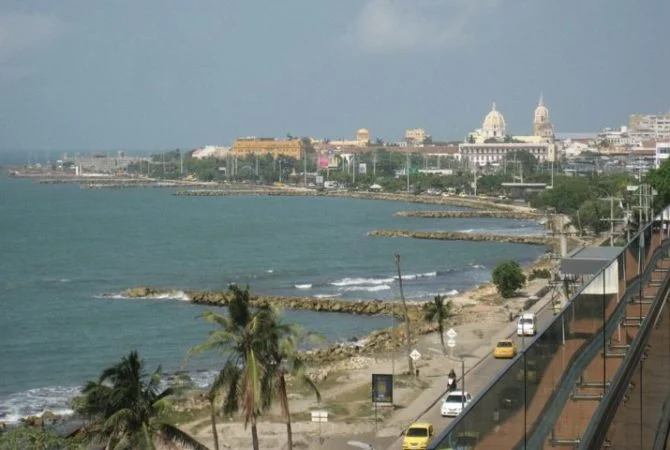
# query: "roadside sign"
[451,343]
[319,416]
[415,355]
[451,333]
[382,388]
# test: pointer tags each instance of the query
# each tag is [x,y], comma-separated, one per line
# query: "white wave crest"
[321,296]
[35,402]
[383,287]
[478,266]
[417,276]
[451,293]
[362,281]
[303,286]
[172,295]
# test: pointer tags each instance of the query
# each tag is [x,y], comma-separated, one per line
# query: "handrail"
[577,363]
[595,433]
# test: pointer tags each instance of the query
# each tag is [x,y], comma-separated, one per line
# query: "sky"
[161,74]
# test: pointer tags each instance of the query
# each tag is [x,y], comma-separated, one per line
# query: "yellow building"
[263,146]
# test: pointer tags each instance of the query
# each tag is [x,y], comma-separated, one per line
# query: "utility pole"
[611,219]
[552,173]
[475,184]
[374,164]
[181,164]
[410,361]
[407,170]
[353,169]
[304,165]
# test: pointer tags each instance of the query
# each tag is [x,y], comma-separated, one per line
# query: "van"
[526,325]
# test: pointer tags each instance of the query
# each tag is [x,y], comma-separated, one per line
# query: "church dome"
[541,112]
[494,123]
[363,134]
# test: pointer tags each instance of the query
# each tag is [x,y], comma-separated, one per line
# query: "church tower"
[542,126]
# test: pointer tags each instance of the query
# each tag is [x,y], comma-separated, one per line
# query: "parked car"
[454,403]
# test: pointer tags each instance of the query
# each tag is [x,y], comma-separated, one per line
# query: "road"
[481,375]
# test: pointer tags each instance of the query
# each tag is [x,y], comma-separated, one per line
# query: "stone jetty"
[377,341]
[461,236]
[221,298]
[396,197]
[469,214]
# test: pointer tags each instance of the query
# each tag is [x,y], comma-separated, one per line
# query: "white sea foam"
[416,276]
[451,293]
[361,281]
[270,271]
[383,287]
[35,402]
[172,295]
[327,295]
[478,266]
[303,286]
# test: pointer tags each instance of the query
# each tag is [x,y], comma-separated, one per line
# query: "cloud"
[21,33]
[389,26]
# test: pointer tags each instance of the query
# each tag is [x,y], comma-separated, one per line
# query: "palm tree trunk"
[440,328]
[254,434]
[213,419]
[285,407]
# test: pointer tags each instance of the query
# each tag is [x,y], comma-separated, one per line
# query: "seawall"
[461,236]
[409,198]
[469,214]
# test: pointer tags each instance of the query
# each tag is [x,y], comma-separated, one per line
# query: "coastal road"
[479,376]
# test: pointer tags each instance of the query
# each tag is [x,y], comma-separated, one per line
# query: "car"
[418,436]
[505,349]
[526,325]
[454,403]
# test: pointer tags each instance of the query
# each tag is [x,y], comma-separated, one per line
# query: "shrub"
[508,278]
[539,273]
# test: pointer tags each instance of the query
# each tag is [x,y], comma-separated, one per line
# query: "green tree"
[242,338]
[508,278]
[125,409]
[659,179]
[438,311]
[36,438]
[283,342]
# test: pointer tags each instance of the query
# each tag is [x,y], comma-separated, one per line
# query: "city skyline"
[86,75]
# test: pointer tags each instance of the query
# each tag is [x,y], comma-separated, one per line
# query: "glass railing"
[522,405]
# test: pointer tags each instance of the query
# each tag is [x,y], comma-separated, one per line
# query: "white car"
[454,403]
[527,325]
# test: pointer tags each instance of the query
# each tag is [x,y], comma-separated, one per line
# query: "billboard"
[323,162]
[382,388]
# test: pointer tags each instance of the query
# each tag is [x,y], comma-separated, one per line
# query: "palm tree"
[125,409]
[241,337]
[438,311]
[283,344]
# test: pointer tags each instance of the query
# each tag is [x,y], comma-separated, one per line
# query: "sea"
[67,254]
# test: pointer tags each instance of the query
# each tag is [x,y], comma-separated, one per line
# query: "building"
[490,144]
[415,136]
[210,151]
[494,153]
[542,126]
[618,138]
[650,125]
[662,152]
[362,140]
[262,146]
[494,127]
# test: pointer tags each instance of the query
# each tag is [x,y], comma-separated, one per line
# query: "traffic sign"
[320,416]
[415,355]
[451,333]
[451,343]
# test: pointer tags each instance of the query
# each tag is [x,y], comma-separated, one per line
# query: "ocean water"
[67,253]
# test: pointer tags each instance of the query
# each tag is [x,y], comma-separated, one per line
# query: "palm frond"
[170,433]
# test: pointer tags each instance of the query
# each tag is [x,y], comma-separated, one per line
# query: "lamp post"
[451,343]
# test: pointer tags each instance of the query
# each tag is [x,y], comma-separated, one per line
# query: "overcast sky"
[152,74]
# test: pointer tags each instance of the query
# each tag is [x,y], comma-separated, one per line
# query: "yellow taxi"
[505,349]
[418,436]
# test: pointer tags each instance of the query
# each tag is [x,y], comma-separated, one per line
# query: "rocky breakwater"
[221,298]
[461,236]
[498,214]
